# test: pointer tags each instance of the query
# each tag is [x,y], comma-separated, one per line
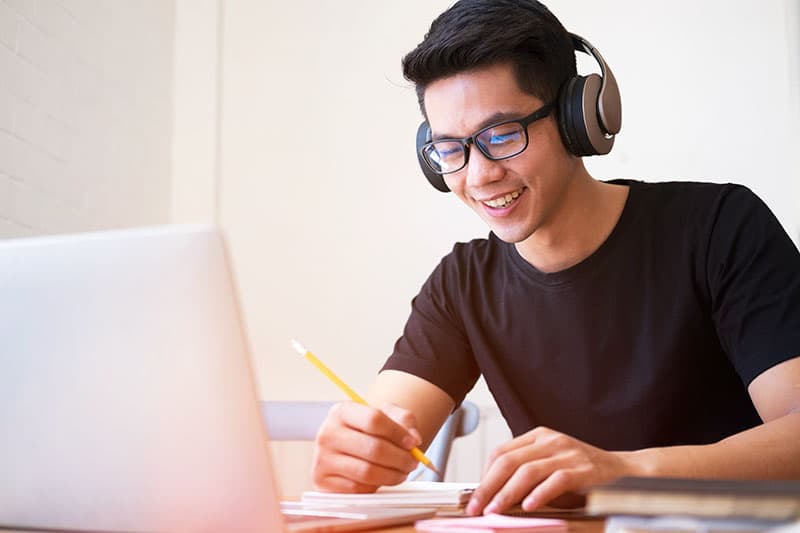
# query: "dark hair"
[479,33]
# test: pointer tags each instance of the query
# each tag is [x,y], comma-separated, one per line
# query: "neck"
[584,218]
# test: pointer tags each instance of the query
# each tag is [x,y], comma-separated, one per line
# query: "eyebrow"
[488,121]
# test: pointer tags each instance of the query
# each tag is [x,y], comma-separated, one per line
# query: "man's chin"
[511,236]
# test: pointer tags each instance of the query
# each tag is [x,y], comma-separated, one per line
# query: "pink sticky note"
[492,523]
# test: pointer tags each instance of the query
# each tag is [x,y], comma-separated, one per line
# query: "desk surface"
[575,526]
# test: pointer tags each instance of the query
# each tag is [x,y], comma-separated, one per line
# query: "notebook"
[442,496]
[127,397]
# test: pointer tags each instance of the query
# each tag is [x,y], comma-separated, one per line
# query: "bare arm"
[543,464]
[766,451]
[429,404]
[359,448]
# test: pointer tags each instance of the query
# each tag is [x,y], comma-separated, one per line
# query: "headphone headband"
[608,104]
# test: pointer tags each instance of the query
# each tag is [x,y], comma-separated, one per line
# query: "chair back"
[297,421]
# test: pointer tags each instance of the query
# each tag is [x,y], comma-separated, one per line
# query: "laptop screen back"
[127,401]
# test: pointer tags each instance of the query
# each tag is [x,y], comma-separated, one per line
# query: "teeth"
[503,201]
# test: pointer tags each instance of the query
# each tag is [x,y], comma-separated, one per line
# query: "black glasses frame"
[540,113]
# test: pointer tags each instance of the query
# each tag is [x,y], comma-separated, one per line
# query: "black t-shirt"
[650,341]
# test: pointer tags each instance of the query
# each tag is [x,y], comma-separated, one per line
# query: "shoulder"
[695,206]
[477,249]
[470,262]
[476,255]
[690,194]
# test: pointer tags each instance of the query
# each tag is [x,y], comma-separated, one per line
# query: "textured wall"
[85,114]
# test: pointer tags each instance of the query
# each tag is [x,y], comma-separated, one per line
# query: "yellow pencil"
[416,452]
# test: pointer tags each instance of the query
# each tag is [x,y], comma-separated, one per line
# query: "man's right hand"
[359,448]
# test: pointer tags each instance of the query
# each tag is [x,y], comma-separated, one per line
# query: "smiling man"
[624,327]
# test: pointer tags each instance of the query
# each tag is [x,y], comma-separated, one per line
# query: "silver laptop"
[127,397]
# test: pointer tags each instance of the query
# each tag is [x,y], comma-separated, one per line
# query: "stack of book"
[670,505]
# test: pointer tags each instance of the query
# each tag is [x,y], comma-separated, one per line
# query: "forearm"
[768,451]
[429,403]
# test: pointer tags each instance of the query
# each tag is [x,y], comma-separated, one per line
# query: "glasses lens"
[444,156]
[502,141]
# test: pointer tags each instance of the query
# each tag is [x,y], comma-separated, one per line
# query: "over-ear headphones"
[589,114]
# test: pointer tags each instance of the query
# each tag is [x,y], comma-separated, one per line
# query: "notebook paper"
[407,494]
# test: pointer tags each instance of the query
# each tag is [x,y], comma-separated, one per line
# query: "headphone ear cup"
[571,118]
[578,107]
[424,136]
[594,131]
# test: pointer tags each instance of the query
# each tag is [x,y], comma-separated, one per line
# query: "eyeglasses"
[498,141]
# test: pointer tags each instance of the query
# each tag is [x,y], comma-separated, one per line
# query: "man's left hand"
[540,466]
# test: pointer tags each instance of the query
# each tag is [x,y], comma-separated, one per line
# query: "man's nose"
[481,170]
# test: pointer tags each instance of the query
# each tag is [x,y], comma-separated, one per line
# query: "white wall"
[332,226]
[85,123]
[195,111]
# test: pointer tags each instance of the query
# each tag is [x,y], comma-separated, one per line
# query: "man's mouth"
[503,201]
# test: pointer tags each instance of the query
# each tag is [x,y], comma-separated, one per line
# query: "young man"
[624,328]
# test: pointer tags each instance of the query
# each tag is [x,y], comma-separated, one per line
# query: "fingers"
[373,449]
[405,418]
[340,472]
[335,483]
[391,426]
[560,483]
[526,439]
[359,448]
[533,469]
[502,464]
[508,479]
[519,485]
